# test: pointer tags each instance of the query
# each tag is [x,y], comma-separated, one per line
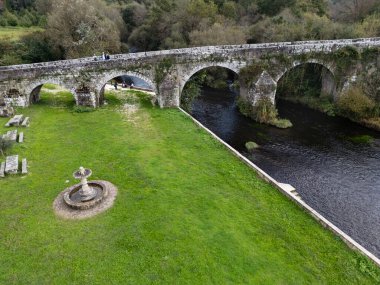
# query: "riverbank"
[326,106]
[188,211]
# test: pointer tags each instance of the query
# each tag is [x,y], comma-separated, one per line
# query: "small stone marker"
[24,169]
[15,121]
[11,164]
[2,169]
[11,135]
[25,123]
[21,137]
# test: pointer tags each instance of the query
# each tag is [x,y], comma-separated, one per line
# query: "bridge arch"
[187,74]
[34,89]
[329,83]
[99,87]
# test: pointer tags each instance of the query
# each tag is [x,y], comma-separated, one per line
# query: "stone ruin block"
[11,135]
[15,121]
[6,111]
[24,168]
[25,122]
[2,170]
[11,164]
[21,137]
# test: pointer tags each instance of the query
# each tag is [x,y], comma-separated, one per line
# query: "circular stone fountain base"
[68,206]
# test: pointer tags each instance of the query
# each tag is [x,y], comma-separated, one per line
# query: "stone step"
[11,164]
[2,170]
[26,122]
[24,169]
[21,137]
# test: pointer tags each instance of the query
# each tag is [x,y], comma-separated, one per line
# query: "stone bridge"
[259,66]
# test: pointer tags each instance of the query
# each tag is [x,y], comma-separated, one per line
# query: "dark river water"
[337,177]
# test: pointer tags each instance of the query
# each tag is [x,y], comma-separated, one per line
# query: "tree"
[274,7]
[353,10]
[81,28]
[370,26]
[218,34]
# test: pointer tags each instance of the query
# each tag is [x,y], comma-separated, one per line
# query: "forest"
[76,28]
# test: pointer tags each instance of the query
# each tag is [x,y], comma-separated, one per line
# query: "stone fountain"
[85,199]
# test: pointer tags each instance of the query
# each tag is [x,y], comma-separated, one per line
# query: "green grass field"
[15,33]
[187,211]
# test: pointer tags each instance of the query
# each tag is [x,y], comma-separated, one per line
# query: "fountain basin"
[74,200]
[69,205]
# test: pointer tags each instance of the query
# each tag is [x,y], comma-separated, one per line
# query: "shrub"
[5,145]
[192,90]
[281,123]
[364,139]
[10,18]
[356,105]
[263,112]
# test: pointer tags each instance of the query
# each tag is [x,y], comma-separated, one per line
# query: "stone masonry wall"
[90,75]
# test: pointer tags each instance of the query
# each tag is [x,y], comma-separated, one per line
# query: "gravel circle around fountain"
[66,212]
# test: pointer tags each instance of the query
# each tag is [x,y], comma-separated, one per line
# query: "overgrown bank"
[187,211]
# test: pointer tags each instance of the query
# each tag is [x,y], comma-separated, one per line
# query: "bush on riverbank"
[356,105]
[263,112]
[364,139]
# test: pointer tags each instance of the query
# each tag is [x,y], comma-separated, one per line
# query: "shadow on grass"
[61,99]
[133,97]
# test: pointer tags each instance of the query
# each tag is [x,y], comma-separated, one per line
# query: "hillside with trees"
[77,28]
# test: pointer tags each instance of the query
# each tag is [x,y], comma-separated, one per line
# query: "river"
[337,177]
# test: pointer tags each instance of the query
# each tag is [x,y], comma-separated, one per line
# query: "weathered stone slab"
[11,164]
[287,187]
[24,169]
[25,123]
[21,137]
[6,111]
[15,121]
[11,135]
[2,169]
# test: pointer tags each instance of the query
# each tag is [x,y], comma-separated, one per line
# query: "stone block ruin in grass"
[18,120]
[12,166]
[13,136]
[5,110]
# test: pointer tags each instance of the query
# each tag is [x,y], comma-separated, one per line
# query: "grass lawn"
[187,211]
[15,33]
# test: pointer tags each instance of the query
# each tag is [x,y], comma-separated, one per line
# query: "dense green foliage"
[187,210]
[192,90]
[81,28]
